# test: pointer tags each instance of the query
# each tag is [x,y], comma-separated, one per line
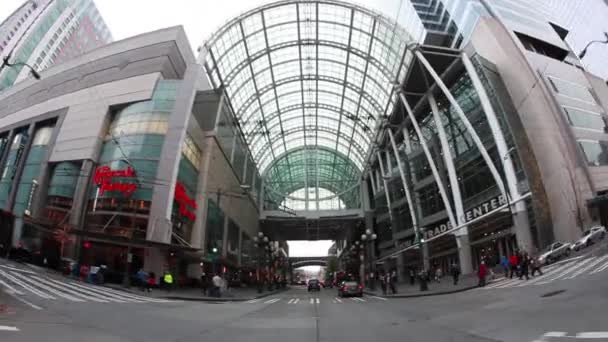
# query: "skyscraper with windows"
[44,32]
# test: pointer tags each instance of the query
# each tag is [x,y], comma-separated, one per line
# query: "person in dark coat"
[455,273]
[524,266]
[383,283]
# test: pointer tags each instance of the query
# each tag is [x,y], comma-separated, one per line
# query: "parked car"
[314,284]
[589,237]
[555,251]
[350,288]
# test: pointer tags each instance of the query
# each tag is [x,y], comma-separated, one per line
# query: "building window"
[596,152]
[573,90]
[430,200]
[584,119]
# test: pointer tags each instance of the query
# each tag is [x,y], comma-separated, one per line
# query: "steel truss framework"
[309,82]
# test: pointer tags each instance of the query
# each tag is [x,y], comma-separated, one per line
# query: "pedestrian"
[217,285]
[504,262]
[393,282]
[412,276]
[168,280]
[535,264]
[481,273]
[151,281]
[142,279]
[438,274]
[383,283]
[524,266]
[455,273]
[204,283]
[513,264]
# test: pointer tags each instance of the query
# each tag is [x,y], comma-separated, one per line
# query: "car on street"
[554,252]
[589,237]
[350,288]
[314,284]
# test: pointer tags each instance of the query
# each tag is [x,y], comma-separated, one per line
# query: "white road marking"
[126,295]
[338,300]
[33,306]
[318,301]
[546,274]
[312,300]
[587,267]
[296,301]
[569,269]
[10,288]
[290,301]
[87,292]
[26,286]
[592,334]
[554,334]
[77,294]
[601,268]
[271,301]
[253,301]
[100,291]
[47,288]
[7,328]
[17,269]
[358,299]
[376,297]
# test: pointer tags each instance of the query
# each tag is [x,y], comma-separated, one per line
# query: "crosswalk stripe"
[376,297]
[107,294]
[125,294]
[502,284]
[70,292]
[96,297]
[318,301]
[601,268]
[547,273]
[312,300]
[296,301]
[587,267]
[253,301]
[291,301]
[26,286]
[358,299]
[338,300]
[10,288]
[271,301]
[91,292]
[7,328]
[47,288]
[17,269]
[568,270]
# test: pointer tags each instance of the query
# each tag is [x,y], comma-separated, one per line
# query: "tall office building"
[585,22]
[44,32]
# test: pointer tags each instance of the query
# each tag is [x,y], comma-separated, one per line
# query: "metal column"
[406,187]
[462,236]
[465,121]
[520,219]
[388,198]
[429,157]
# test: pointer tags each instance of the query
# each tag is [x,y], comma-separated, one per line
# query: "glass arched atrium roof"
[308,75]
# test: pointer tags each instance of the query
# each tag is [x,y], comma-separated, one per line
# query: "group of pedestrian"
[213,287]
[519,264]
[146,281]
[388,282]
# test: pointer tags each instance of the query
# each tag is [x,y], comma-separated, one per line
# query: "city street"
[565,310]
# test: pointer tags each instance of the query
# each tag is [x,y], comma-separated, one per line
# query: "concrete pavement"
[513,314]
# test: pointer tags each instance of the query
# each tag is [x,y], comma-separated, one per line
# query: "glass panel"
[596,152]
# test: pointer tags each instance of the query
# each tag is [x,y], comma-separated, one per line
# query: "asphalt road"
[576,309]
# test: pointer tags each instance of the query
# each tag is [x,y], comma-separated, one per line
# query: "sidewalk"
[446,286]
[193,294]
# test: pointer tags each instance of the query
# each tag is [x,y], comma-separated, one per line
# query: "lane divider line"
[7,328]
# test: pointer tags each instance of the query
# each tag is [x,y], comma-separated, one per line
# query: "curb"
[422,294]
[221,299]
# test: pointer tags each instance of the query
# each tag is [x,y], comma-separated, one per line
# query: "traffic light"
[86,244]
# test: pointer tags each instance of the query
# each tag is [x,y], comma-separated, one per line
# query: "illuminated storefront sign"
[186,204]
[104,177]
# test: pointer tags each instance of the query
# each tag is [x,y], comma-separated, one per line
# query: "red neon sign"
[186,204]
[103,178]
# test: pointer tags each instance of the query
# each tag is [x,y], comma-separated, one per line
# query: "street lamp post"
[262,245]
[368,238]
[583,52]
[7,63]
